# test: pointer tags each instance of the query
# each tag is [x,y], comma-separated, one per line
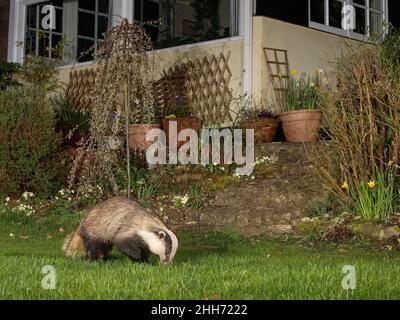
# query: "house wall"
[166,58]
[4,14]
[308,50]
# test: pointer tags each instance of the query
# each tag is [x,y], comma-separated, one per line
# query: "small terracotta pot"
[301,125]
[182,123]
[264,129]
[137,136]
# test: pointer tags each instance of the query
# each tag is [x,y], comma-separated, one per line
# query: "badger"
[125,224]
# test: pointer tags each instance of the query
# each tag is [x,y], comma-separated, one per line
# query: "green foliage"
[41,72]
[7,70]
[68,119]
[28,143]
[374,199]
[302,94]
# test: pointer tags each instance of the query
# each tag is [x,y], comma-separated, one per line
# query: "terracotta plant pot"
[264,129]
[182,123]
[301,125]
[137,136]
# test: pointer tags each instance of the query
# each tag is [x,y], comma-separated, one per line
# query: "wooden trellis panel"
[171,85]
[205,84]
[80,82]
[208,89]
[278,67]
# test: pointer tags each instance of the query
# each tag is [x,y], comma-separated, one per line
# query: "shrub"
[7,71]
[28,143]
[69,121]
[363,116]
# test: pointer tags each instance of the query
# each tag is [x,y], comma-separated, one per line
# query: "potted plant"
[184,118]
[264,124]
[301,119]
[144,120]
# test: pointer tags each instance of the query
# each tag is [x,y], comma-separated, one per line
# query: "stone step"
[289,152]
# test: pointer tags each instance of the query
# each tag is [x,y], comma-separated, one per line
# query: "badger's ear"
[161,235]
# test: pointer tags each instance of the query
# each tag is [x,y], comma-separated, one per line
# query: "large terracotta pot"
[182,123]
[137,136]
[301,125]
[264,129]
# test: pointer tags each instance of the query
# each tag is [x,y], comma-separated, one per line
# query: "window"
[93,22]
[37,40]
[82,22]
[170,22]
[369,16]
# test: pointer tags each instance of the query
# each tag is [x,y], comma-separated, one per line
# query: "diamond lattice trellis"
[78,88]
[205,83]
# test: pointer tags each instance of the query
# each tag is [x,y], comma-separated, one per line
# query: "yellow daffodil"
[345,186]
[293,72]
[371,184]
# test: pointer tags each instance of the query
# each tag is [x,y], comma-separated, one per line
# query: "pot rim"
[300,111]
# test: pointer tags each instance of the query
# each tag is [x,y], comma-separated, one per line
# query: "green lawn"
[214,265]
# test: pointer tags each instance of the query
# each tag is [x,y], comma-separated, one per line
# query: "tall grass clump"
[362,112]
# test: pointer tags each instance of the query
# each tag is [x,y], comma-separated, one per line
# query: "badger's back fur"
[123,223]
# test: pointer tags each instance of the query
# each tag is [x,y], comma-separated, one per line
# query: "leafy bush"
[28,143]
[7,71]
[68,119]
[363,116]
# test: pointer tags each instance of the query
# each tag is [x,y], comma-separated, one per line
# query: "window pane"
[184,22]
[376,23]
[102,26]
[104,6]
[318,11]
[59,15]
[43,49]
[55,39]
[57,3]
[138,10]
[87,4]
[376,4]
[335,13]
[362,2]
[37,40]
[360,20]
[86,24]
[150,11]
[31,12]
[84,50]
[30,42]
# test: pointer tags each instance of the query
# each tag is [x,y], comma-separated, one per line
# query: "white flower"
[185,199]
[12,235]
[8,199]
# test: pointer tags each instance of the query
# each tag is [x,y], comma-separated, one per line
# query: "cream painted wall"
[308,50]
[169,57]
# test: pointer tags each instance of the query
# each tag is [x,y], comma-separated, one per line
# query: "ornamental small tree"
[122,94]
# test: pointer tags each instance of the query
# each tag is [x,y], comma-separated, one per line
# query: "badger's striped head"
[161,242]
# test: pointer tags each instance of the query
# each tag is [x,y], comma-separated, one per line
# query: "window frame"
[348,33]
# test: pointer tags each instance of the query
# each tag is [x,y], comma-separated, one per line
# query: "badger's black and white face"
[161,242]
